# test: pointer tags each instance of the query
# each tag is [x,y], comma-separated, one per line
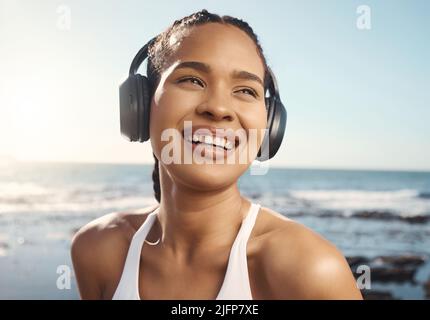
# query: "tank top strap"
[236,281]
[127,288]
[248,223]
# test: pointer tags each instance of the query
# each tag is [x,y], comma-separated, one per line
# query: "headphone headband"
[273,85]
[140,57]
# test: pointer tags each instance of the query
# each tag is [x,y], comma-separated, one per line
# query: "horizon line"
[287,167]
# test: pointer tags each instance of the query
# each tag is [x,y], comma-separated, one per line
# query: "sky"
[356,98]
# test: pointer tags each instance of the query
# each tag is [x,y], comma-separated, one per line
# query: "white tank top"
[236,281]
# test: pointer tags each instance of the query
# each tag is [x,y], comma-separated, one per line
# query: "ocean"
[366,214]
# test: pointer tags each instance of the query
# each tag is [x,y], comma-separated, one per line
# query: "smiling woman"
[205,240]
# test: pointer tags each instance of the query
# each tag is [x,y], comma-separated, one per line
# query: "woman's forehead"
[218,45]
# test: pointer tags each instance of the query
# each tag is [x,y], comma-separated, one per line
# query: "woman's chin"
[207,176]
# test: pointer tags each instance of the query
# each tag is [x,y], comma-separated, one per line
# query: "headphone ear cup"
[145,108]
[277,129]
[263,153]
[276,123]
[129,107]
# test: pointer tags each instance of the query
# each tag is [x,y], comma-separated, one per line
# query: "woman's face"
[220,89]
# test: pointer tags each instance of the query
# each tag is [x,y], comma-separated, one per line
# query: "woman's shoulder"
[99,249]
[113,226]
[299,263]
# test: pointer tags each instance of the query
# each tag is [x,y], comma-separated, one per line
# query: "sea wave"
[17,189]
[32,197]
[424,195]
[122,203]
[405,202]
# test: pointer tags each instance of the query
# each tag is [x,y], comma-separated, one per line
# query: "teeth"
[229,145]
[219,142]
[210,140]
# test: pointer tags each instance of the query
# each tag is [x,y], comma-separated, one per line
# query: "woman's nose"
[217,107]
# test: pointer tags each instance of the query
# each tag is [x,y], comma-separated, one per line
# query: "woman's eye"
[193,80]
[248,91]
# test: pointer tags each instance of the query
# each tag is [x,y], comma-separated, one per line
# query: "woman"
[205,240]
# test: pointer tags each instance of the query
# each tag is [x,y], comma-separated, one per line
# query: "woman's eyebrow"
[245,75]
[203,67]
[200,66]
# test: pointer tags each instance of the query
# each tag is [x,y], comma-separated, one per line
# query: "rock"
[385,215]
[426,287]
[355,261]
[3,249]
[293,213]
[389,268]
[401,261]
[330,214]
[377,295]
[416,219]
[4,245]
[424,195]
[379,215]
[383,274]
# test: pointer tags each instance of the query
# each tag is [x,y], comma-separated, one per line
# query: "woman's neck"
[192,220]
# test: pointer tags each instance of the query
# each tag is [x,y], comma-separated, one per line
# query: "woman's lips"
[212,142]
[207,151]
[222,133]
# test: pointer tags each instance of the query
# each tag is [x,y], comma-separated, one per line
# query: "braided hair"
[161,50]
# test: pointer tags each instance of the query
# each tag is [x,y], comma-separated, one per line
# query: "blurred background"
[354,164]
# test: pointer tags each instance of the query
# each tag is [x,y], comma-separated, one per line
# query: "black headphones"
[135,104]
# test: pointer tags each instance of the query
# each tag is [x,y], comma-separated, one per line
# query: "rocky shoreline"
[390,269]
[368,215]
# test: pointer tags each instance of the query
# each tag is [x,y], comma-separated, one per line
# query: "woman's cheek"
[165,117]
[255,123]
